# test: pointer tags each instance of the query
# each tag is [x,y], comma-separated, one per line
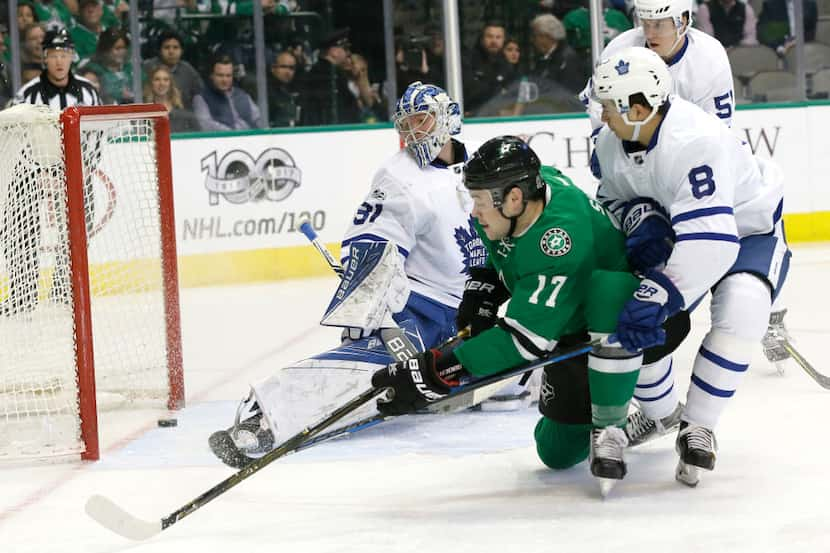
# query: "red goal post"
[89,250]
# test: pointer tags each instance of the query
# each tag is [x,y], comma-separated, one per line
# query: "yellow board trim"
[253,266]
[807,227]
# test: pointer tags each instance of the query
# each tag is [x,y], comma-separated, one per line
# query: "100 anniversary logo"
[240,178]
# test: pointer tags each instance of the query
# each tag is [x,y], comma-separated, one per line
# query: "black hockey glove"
[417,382]
[483,294]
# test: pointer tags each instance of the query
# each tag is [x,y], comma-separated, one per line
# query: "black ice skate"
[606,456]
[696,446]
[640,429]
[247,440]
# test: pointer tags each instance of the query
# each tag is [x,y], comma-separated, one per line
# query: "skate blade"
[782,365]
[606,485]
[687,474]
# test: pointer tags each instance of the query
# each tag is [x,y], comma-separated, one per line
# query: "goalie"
[407,251]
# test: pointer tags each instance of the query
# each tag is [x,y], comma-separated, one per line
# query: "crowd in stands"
[199,62]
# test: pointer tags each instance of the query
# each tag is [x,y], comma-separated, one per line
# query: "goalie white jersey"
[700,71]
[706,179]
[426,213]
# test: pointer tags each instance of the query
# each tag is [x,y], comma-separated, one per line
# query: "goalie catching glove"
[416,382]
[483,294]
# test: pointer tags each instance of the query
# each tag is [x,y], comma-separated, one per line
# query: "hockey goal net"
[89,312]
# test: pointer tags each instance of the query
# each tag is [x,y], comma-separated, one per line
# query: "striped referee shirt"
[77,92]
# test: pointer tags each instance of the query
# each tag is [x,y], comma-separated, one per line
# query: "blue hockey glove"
[639,325]
[650,237]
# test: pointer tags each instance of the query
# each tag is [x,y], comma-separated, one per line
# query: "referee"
[20,229]
[57,87]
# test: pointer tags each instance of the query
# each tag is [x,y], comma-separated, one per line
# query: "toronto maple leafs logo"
[472,248]
[622,67]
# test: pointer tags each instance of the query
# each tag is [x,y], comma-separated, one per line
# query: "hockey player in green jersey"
[560,259]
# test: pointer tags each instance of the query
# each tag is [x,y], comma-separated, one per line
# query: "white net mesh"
[39,414]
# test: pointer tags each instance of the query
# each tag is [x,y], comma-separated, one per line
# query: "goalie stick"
[110,515]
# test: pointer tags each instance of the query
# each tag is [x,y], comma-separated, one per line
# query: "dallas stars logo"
[555,242]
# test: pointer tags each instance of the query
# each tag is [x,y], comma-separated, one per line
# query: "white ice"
[468,482]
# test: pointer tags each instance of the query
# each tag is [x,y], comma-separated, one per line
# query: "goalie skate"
[248,439]
[696,446]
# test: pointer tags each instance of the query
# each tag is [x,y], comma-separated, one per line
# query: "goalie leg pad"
[306,391]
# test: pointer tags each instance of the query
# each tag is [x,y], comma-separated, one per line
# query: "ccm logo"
[483,286]
[645,291]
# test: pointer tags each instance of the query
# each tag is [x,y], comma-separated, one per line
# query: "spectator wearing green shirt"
[56,13]
[85,33]
[110,61]
[578,26]
[114,14]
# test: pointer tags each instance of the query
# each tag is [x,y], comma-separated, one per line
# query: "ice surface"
[467,482]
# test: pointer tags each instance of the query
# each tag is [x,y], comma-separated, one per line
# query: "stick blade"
[109,515]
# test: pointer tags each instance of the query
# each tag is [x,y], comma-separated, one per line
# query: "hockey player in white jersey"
[726,218]
[697,62]
[414,234]
[701,74]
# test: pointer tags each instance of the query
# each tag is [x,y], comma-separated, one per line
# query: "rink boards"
[240,197]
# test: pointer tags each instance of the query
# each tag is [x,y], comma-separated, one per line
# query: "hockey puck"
[168,423]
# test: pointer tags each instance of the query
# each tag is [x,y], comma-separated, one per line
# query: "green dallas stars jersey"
[566,273]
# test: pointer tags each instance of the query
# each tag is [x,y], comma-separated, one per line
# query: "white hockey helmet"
[631,71]
[421,141]
[661,9]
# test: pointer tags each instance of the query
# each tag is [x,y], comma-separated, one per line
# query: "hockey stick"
[821,379]
[394,338]
[112,516]
[309,233]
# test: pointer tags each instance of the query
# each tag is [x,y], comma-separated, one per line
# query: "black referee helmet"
[57,39]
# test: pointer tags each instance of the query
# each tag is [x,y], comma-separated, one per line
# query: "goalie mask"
[633,70]
[425,118]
